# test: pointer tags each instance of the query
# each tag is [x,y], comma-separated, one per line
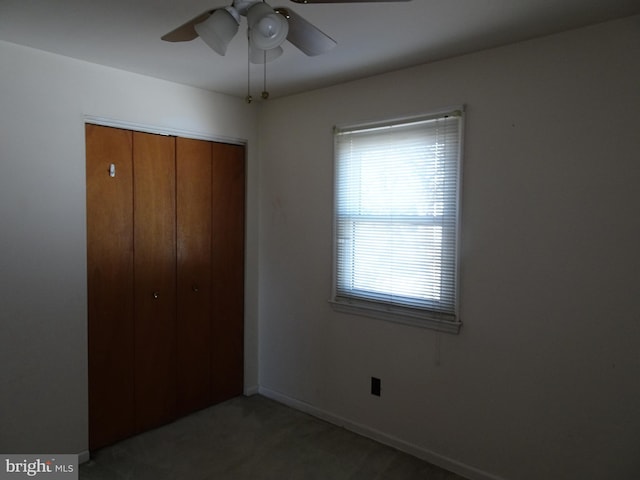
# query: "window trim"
[422,318]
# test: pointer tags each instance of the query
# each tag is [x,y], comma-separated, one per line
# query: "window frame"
[394,312]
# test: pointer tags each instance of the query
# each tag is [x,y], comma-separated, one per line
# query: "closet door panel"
[110,284]
[155,279]
[228,207]
[193,164]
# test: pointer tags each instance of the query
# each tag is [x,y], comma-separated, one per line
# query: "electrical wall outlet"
[375,386]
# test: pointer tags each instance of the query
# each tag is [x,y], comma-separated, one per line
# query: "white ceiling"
[372,37]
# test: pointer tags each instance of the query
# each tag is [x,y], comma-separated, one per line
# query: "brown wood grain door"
[110,284]
[154,279]
[165,256]
[228,220]
[193,165]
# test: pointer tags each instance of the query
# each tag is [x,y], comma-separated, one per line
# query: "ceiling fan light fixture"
[258,56]
[218,30]
[268,28]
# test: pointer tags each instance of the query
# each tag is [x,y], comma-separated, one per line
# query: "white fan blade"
[304,35]
[186,32]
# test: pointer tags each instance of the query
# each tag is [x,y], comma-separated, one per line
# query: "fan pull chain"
[265,94]
[248,98]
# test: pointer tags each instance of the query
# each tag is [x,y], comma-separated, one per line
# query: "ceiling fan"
[267,29]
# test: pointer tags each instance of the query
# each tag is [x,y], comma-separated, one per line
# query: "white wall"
[543,381]
[43,324]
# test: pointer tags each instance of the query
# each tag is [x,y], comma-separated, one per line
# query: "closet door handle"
[195,288]
[156,295]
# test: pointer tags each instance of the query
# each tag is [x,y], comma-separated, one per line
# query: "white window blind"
[396,219]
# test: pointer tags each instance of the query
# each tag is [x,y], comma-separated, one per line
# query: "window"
[396,220]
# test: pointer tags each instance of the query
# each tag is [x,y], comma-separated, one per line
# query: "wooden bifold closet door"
[154,213]
[228,179]
[165,257]
[194,274]
[110,284]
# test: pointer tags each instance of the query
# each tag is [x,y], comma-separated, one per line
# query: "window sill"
[404,316]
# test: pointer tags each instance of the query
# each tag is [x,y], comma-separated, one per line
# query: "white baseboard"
[253,390]
[84,457]
[432,457]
